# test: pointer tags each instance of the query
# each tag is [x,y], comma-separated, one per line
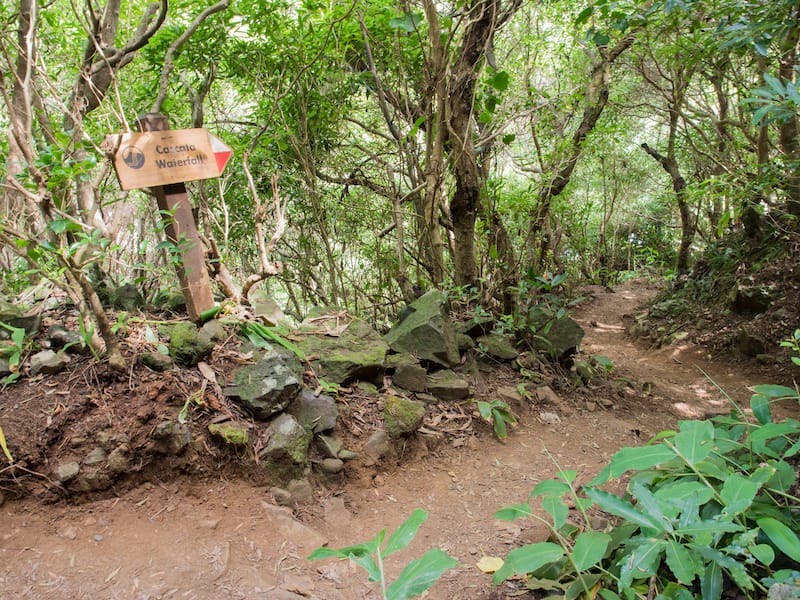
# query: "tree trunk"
[789,130]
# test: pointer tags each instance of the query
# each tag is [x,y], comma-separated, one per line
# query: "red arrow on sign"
[222,152]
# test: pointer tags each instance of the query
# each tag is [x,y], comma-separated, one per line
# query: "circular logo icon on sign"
[133,157]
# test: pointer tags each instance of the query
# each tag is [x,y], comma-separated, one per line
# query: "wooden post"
[182,231]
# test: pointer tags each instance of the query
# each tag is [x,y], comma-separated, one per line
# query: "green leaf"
[527,559]
[649,503]
[775,392]
[420,574]
[589,549]
[761,409]
[550,487]
[695,440]
[737,571]
[515,511]
[405,532]
[408,22]
[621,508]
[773,430]
[711,582]
[673,591]
[641,561]
[367,562]
[737,493]
[509,138]
[485,117]
[556,509]
[499,81]
[780,535]
[763,553]
[683,564]
[636,458]
[607,594]
[584,15]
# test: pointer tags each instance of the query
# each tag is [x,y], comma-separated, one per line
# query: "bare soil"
[212,531]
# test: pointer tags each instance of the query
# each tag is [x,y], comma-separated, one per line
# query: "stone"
[127,297]
[157,361]
[510,396]
[556,337]
[171,437]
[187,345]
[356,354]
[497,346]
[66,471]
[5,367]
[329,446]
[401,416]
[48,362]
[97,455]
[377,446]
[332,466]
[748,344]
[750,300]
[301,491]
[549,418]
[426,398]
[214,331]
[268,310]
[546,395]
[315,412]
[269,386]
[18,320]
[427,332]
[412,377]
[448,385]
[477,326]
[118,461]
[281,496]
[60,337]
[286,440]
[282,525]
[230,432]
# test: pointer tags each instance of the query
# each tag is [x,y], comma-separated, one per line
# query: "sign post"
[173,200]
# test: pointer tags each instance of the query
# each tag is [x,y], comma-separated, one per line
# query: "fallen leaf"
[489,564]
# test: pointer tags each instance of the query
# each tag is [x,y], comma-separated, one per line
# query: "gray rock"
[48,362]
[31,324]
[97,455]
[281,496]
[558,338]
[357,353]
[510,396]
[214,331]
[401,416]
[377,446]
[268,310]
[413,378]
[71,341]
[287,440]
[127,297]
[5,368]
[187,345]
[156,361]
[748,344]
[301,491]
[498,346]
[118,461]
[171,437]
[448,385]
[332,466]
[427,332]
[329,446]
[317,413]
[750,300]
[269,386]
[66,471]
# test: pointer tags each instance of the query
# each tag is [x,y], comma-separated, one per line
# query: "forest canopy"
[382,148]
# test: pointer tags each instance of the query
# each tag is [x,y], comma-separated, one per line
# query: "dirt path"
[225,539]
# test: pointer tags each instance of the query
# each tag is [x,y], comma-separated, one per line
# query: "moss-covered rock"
[235,434]
[187,345]
[402,416]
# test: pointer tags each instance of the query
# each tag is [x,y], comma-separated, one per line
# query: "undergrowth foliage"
[709,507]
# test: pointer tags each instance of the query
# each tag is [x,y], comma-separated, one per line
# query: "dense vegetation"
[382,148]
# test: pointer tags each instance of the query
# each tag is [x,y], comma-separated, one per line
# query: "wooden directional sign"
[154,158]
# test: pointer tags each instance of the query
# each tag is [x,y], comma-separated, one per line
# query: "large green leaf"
[641,561]
[550,487]
[733,567]
[527,559]
[556,508]
[634,459]
[647,501]
[622,508]
[761,409]
[683,563]
[405,532]
[774,392]
[695,440]
[780,535]
[711,582]
[737,493]
[589,549]
[420,574]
